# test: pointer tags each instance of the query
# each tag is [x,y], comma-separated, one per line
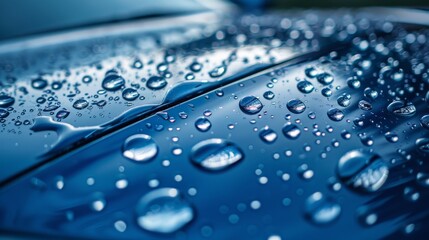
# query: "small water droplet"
[305,86]
[391,137]
[344,100]
[130,94]
[3,113]
[39,83]
[218,71]
[423,144]
[424,121]
[269,95]
[291,131]
[364,105]
[195,67]
[320,209]
[268,135]
[325,78]
[80,104]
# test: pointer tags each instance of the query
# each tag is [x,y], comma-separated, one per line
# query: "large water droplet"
[6,101]
[400,108]
[296,106]
[320,209]
[335,114]
[139,147]
[362,170]
[112,81]
[215,154]
[203,124]
[163,211]
[156,83]
[250,105]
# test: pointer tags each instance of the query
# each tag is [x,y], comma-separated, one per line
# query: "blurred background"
[21,18]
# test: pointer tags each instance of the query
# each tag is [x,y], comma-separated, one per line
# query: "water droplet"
[344,100]
[327,92]
[423,144]
[156,83]
[269,95]
[39,83]
[163,211]
[50,108]
[312,72]
[137,64]
[6,101]
[113,82]
[99,203]
[291,131]
[335,114]
[56,85]
[353,83]
[391,137]
[402,109]
[130,94]
[87,79]
[80,104]
[325,78]
[370,94]
[120,226]
[305,86]
[296,106]
[424,121]
[3,113]
[139,147]
[423,179]
[218,71]
[362,170]
[320,209]
[203,124]
[268,135]
[250,105]
[215,154]
[364,105]
[195,67]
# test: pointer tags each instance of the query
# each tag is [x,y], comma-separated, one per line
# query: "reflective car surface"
[219,125]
